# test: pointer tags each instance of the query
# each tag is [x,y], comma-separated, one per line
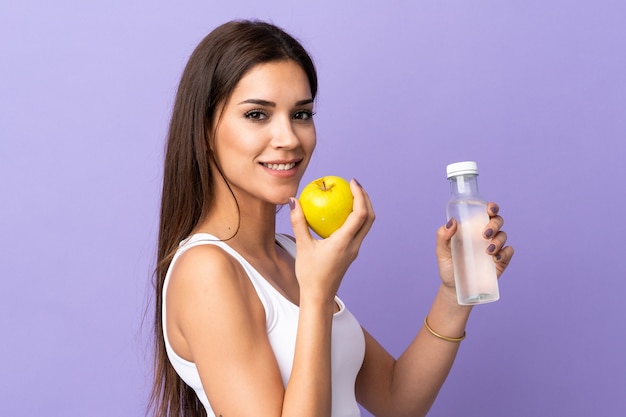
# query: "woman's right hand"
[321,264]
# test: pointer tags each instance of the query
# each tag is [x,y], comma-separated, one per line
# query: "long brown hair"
[215,67]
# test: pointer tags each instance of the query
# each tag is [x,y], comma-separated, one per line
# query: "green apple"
[326,203]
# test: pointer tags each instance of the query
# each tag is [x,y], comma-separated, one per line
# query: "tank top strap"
[287,243]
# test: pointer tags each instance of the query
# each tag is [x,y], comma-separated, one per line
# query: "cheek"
[227,138]
[310,139]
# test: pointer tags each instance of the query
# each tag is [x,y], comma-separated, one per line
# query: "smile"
[280,167]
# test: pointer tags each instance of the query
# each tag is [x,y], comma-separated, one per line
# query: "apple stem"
[324,185]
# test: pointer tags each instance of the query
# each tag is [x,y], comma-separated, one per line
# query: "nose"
[283,134]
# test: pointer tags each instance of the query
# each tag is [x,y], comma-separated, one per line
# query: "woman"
[247,321]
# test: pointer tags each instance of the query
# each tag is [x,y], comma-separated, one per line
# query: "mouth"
[280,167]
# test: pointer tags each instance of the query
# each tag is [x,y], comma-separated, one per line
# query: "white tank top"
[281,316]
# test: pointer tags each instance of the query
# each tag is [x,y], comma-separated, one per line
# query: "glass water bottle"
[474,269]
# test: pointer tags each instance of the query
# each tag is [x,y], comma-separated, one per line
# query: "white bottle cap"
[462,168]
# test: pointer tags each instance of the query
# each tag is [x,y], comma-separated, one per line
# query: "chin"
[282,196]
[283,201]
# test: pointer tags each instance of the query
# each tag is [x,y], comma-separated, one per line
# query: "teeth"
[280,167]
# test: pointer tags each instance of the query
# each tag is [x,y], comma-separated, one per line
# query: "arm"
[320,267]
[215,320]
[409,385]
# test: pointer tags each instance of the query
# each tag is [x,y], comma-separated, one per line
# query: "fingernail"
[498,257]
[357,182]
[488,233]
[491,248]
[292,203]
[494,209]
[450,223]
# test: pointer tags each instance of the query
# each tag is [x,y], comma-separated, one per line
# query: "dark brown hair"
[211,74]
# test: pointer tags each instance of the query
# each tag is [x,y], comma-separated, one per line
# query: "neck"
[249,226]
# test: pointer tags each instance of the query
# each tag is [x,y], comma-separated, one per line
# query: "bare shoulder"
[204,266]
[209,293]
[207,273]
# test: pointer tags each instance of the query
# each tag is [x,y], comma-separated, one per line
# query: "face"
[265,135]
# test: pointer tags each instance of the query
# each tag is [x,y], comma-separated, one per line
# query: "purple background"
[534,90]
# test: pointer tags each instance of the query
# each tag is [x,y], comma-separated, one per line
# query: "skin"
[268,120]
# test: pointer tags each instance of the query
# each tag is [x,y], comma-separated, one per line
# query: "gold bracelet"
[446,338]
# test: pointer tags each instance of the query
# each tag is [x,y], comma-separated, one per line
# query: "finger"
[357,219]
[444,236]
[503,259]
[497,243]
[493,209]
[298,222]
[369,209]
[493,227]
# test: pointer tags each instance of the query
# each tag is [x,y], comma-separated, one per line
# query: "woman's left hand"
[501,254]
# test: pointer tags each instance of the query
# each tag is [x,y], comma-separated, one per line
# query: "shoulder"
[208,281]
[203,261]
[207,270]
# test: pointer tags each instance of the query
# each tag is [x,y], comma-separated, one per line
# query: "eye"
[304,115]
[256,115]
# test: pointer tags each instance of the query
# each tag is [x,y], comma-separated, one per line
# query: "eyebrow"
[272,104]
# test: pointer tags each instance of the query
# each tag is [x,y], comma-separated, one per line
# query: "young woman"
[247,321]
